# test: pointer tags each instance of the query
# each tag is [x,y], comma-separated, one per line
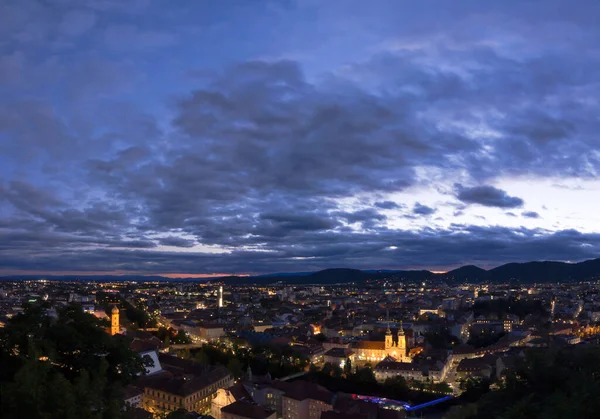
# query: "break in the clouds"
[189,137]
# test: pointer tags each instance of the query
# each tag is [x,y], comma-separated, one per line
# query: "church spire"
[388,338]
[401,329]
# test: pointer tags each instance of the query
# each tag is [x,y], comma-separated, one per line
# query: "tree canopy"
[546,384]
[63,367]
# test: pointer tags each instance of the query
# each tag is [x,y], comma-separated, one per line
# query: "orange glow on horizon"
[116,274]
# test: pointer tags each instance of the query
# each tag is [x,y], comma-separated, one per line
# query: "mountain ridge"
[521,272]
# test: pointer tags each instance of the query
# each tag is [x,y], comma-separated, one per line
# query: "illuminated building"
[178,387]
[368,350]
[389,368]
[114,321]
[306,401]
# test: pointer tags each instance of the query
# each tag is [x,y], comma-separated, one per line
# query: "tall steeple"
[114,321]
[388,338]
[401,342]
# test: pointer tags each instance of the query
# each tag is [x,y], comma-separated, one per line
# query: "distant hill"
[327,276]
[466,273]
[339,275]
[528,272]
[288,274]
[546,271]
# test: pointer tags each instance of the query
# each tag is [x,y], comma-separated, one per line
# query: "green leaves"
[68,368]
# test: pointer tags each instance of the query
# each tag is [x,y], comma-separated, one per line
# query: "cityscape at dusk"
[299,209]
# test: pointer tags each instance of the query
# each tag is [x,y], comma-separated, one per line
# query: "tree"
[545,384]
[327,368]
[69,368]
[201,358]
[235,367]
[337,371]
[395,387]
[348,367]
[364,375]
[440,340]
[178,414]
[442,387]
[473,388]
[462,412]
[182,338]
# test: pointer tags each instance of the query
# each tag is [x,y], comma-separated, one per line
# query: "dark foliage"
[547,384]
[67,367]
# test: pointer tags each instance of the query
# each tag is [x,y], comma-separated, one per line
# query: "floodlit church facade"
[375,351]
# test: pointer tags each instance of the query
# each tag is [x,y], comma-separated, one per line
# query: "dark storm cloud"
[302,222]
[367,218]
[256,158]
[388,205]
[357,250]
[488,196]
[176,242]
[134,244]
[361,216]
[420,209]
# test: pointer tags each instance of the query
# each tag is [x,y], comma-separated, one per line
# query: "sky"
[201,137]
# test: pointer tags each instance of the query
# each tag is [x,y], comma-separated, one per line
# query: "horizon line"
[172,275]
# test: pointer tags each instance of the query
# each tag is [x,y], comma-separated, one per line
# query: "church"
[375,351]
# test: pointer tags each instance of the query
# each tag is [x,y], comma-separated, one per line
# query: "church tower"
[114,321]
[401,342]
[388,338]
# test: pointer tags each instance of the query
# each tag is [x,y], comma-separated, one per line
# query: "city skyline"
[196,139]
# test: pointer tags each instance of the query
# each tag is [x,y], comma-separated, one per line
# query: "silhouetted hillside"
[340,275]
[528,272]
[466,273]
[546,271]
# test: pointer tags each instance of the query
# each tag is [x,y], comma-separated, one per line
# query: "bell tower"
[114,321]
[388,338]
[401,342]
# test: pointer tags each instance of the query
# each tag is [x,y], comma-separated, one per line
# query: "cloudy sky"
[241,136]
